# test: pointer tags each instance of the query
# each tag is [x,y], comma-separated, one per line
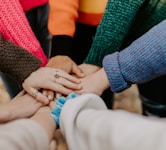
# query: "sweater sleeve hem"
[113,71]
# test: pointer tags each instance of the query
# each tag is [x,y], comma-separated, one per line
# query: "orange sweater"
[64,14]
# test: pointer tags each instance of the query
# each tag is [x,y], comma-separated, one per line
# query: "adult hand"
[88,69]
[95,83]
[52,79]
[21,106]
[66,64]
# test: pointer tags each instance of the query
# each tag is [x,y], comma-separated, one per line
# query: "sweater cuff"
[113,71]
[61,45]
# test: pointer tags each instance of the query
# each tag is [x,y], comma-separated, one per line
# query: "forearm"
[142,61]
[23,134]
[91,124]
[112,30]
[45,120]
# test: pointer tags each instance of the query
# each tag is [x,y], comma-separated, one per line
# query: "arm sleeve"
[62,17]
[16,61]
[61,24]
[23,134]
[143,60]
[114,26]
[89,125]
[14,26]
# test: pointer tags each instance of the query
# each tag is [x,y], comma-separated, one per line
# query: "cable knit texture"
[15,27]
[124,21]
[16,61]
[143,60]
[29,4]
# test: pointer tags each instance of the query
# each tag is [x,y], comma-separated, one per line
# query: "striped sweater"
[63,17]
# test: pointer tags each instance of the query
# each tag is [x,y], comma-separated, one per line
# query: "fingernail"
[57,95]
[49,97]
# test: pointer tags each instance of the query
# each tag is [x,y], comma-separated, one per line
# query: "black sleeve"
[61,45]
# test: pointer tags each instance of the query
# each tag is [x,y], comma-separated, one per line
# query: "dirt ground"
[127,100]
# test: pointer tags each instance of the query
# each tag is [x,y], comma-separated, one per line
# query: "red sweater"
[29,4]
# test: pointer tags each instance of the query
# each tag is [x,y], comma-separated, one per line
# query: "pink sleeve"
[15,27]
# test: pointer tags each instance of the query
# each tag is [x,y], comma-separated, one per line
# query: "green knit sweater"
[122,23]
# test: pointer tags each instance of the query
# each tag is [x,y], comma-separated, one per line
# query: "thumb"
[77,71]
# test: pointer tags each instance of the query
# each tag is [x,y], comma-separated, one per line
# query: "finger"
[20,93]
[41,98]
[68,84]
[26,87]
[77,71]
[44,91]
[57,95]
[37,95]
[52,105]
[50,95]
[59,88]
[67,76]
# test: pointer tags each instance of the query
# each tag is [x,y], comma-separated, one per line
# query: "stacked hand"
[22,106]
[50,79]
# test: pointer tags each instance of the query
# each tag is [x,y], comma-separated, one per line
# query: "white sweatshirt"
[87,124]
[23,134]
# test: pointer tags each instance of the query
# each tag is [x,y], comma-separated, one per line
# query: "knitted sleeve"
[15,27]
[143,60]
[27,5]
[16,61]
[61,24]
[117,19]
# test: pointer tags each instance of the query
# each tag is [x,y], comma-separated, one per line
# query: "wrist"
[5,114]
[45,120]
[104,80]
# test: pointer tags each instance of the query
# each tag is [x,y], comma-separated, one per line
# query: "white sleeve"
[23,134]
[88,125]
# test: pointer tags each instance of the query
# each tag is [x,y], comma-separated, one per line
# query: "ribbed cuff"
[115,77]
